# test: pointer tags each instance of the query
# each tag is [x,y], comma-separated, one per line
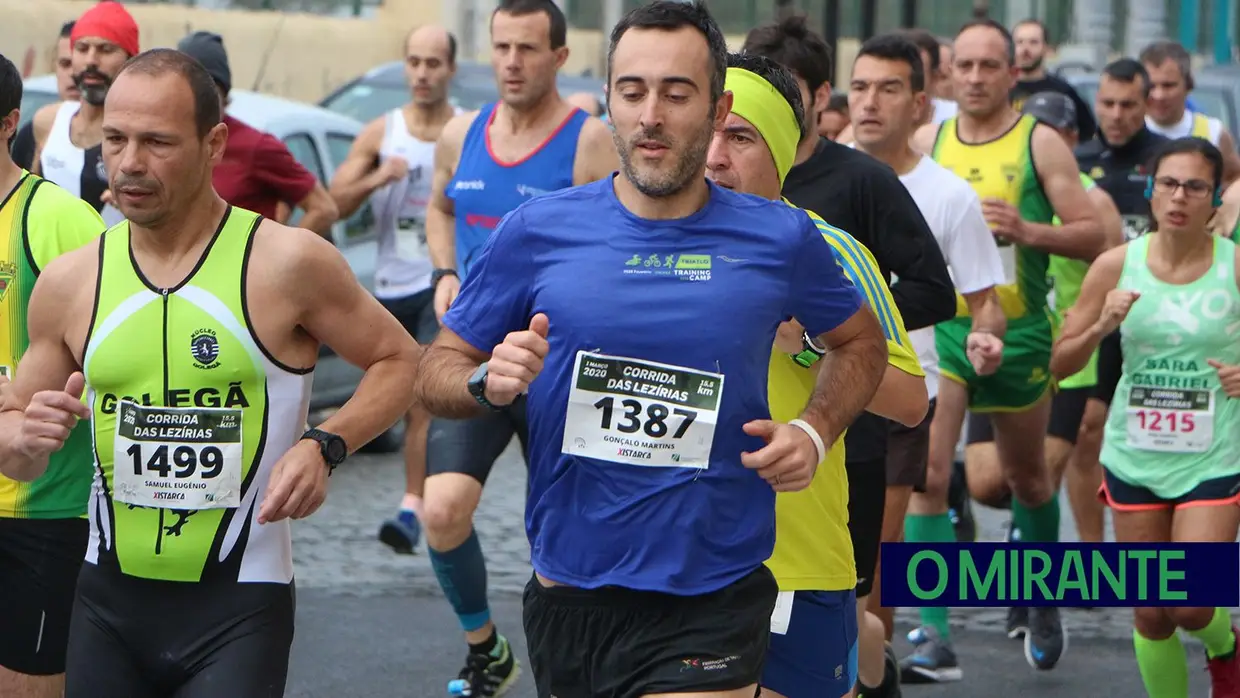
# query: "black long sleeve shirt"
[864,197]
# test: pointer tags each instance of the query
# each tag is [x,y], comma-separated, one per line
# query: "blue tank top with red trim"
[484,190]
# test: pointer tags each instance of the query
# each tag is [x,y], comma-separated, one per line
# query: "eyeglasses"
[1193,188]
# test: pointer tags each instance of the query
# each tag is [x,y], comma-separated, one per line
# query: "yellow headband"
[758,102]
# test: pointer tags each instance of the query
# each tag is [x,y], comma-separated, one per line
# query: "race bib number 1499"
[177,458]
[641,413]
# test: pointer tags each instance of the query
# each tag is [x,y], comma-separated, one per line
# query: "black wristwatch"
[810,352]
[478,388]
[332,447]
[438,274]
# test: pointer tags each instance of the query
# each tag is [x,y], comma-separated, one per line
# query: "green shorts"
[1023,377]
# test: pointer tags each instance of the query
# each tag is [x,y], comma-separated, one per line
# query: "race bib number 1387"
[641,413]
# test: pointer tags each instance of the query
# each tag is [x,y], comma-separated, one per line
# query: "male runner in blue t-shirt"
[488,162]
[648,304]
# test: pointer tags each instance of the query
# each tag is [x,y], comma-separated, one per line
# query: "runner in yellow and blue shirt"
[813,650]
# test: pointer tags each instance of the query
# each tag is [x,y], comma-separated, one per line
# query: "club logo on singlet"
[8,272]
[205,348]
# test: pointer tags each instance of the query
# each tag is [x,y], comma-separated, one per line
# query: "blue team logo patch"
[205,348]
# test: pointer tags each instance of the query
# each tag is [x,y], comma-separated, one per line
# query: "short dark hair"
[160,61]
[1031,21]
[838,102]
[66,29]
[1190,144]
[791,43]
[1129,70]
[1160,52]
[10,87]
[669,15]
[992,24]
[924,41]
[779,77]
[893,47]
[518,8]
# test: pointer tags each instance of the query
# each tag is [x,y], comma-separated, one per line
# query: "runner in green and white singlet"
[1171,461]
[194,328]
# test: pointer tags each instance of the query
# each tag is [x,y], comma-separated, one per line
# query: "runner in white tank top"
[78,171]
[391,165]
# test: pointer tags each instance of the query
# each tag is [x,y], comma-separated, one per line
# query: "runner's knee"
[448,505]
[1190,618]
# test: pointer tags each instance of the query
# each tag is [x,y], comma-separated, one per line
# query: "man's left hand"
[985,352]
[1005,221]
[789,459]
[298,484]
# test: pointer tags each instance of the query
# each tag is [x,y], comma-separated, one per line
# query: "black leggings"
[141,638]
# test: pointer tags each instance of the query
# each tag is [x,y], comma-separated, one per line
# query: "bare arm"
[923,139]
[596,153]
[1109,216]
[850,375]
[43,120]
[48,361]
[441,213]
[1231,160]
[901,397]
[320,212]
[444,373]
[357,177]
[1225,219]
[986,313]
[1080,234]
[1082,331]
[336,310]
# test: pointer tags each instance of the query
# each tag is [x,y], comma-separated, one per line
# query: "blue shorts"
[817,658]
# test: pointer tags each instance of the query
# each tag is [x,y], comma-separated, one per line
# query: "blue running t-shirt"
[660,340]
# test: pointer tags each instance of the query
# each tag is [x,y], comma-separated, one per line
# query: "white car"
[320,140]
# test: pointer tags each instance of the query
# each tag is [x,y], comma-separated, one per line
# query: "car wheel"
[390,441]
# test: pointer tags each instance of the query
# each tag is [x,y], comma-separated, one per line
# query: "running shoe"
[1017,622]
[918,636]
[1046,639]
[1225,674]
[890,687]
[402,533]
[932,661]
[959,508]
[487,675]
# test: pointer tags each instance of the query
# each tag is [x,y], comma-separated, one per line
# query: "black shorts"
[142,638]
[39,564]
[978,429]
[1110,368]
[908,449]
[1121,495]
[622,643]
[416,314]
[471,446]
[1067,411]
[867,499]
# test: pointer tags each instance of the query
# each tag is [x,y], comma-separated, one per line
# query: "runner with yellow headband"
[813,651]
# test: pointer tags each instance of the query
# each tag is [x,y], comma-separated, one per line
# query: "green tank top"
[1170,426]
[1003,168]
[1066,276]
[190,414]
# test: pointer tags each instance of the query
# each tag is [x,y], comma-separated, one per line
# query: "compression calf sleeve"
[932,528]
[1217,636]
[462,574]
[1163,665]
[1037,524]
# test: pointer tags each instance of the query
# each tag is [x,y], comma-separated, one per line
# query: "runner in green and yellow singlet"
[43,530]
[1025,174]
[193,328]
[1170,457]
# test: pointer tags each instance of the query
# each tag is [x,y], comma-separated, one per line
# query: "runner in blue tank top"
[487,163]
[648,302]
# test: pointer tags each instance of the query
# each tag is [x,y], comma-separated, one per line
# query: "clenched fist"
[50,417]
[1115,309]
[517,362]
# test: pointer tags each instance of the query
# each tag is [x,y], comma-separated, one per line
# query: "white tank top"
[404,266]
[76,170]
[1191,124]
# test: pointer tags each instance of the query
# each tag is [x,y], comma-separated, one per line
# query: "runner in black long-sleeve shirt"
[864,197]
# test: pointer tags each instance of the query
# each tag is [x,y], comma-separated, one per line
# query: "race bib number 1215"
[641,413]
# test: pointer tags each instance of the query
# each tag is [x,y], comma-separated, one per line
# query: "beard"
[1031,66]
[688,160]
[93,94]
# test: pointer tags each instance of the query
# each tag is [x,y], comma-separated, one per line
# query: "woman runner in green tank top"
[1171,456]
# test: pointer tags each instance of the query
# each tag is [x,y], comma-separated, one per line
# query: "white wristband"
[813,434]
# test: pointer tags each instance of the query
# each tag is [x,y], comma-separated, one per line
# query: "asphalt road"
[373,624]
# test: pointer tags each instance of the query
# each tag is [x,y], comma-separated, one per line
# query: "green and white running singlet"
[1171,426]
[190,414]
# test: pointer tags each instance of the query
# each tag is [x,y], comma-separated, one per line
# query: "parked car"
[384,88]
[1217,93]
[320,140]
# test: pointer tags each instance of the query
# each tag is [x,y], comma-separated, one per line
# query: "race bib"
[177,457]
[1169,420]
[641,413]
[782,615]
[411,238]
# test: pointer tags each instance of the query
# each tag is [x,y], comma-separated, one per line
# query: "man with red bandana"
[68,135]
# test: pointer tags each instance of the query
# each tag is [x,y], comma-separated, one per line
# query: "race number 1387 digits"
[651,418]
